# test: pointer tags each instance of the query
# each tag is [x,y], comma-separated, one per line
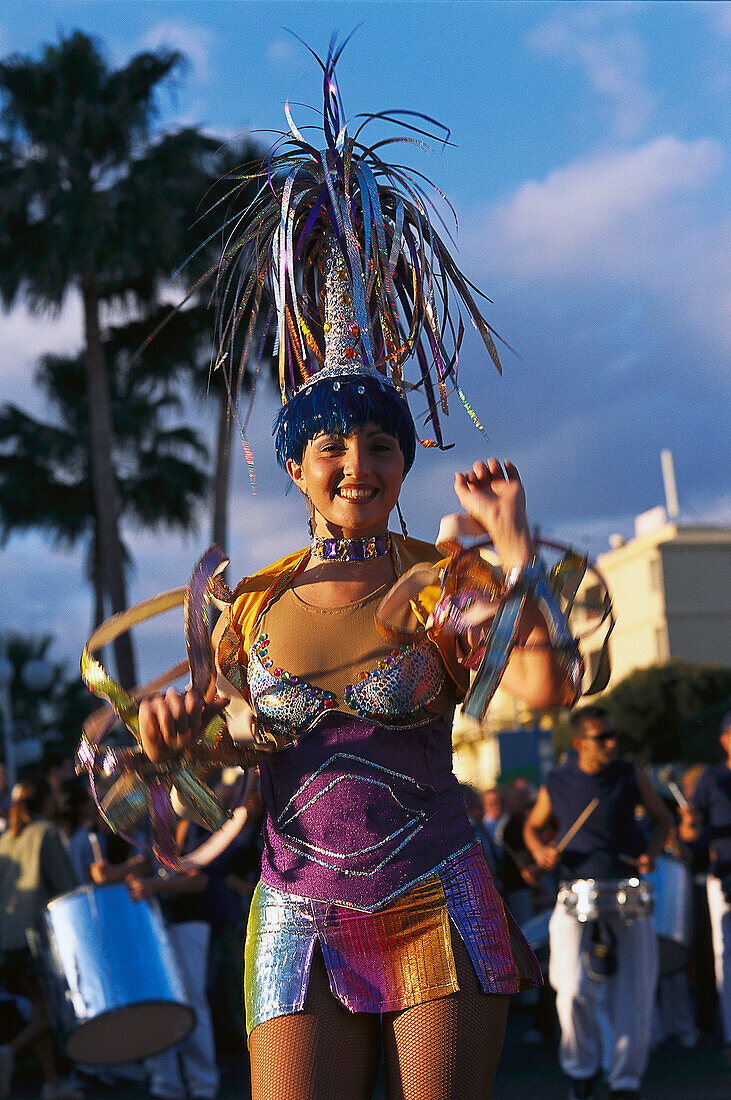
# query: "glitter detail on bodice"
[398,692]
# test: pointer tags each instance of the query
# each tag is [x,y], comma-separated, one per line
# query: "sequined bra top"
[399,691]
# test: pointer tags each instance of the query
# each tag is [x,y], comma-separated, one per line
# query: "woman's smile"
[356,492]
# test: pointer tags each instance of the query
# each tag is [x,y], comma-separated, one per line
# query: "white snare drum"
[587,899]
[113,982]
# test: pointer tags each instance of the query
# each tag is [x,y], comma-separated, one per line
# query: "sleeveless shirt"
[610,831]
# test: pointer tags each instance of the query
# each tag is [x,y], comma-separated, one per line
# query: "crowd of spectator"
[693,995]
[52,841]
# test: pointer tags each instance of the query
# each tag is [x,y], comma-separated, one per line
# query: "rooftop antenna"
[668,477]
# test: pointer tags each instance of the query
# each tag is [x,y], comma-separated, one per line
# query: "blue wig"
[340,406]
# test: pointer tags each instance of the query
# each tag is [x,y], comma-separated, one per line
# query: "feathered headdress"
[345,247]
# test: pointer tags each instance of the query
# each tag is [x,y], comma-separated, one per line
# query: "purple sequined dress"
[368,851]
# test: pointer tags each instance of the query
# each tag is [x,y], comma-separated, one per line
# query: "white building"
[671,588]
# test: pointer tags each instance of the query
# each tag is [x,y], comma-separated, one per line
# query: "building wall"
[698,601]
[671,589]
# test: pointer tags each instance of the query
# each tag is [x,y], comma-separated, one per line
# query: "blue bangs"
[338,407]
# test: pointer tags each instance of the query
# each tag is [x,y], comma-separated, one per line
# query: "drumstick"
[628,859]
[96,850]
[520,861]
[571,833]
[677,794]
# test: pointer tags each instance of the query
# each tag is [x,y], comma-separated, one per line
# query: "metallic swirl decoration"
[555,593]
[137,788]
[451,600]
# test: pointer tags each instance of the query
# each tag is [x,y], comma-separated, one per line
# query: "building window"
[662,649]
[655,575]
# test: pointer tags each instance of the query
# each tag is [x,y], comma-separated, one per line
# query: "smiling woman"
[347,449]
[376,922]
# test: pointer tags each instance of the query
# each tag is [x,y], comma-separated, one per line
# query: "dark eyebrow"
[324,437]
[380,431]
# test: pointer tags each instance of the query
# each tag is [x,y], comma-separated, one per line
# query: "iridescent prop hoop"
[555,592]
[138,788]
[444,602]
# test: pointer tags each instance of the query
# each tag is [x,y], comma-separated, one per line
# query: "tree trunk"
[104,482]
[94,578]
[222,473]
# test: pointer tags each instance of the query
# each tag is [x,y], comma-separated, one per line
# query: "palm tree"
[247,369]
[89,203]
[45,467]
[51,715]
[229,395]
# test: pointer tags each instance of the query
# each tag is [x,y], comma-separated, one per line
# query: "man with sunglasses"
[604,972]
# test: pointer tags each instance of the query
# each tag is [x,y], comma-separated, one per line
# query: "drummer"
[606,968]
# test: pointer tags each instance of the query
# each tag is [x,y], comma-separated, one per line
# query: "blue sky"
[590,176]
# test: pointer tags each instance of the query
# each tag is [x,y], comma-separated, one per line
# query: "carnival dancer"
[707,819]
[603,969]
[376,921]
[374,897]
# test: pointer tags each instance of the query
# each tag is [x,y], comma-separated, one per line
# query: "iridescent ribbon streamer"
[546,590]
[497,650]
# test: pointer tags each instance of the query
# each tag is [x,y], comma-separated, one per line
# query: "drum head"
[131,1033]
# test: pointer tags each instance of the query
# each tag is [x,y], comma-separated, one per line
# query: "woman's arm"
[240,717]
[494,497]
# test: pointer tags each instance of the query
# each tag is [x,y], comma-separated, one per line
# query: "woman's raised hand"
[171,722]
[493,495]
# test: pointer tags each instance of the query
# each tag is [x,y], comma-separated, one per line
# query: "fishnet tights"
[323,1053]
[441,1050]
[449,1048]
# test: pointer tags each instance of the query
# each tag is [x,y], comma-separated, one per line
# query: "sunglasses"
[607,735]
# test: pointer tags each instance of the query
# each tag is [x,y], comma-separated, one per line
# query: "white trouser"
[604,1024]
[720,913]
[189,1069]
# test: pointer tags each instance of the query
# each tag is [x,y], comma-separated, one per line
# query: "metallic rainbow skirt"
[390,959]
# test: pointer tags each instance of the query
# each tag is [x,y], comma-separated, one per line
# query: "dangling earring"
[310,516]
[402,521]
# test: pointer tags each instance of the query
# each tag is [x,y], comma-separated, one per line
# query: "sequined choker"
[376,546]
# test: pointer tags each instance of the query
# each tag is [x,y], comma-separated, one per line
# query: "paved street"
[526,1073]
[674,1074]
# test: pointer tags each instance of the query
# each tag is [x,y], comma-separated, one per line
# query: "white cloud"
[612,56]
[192,39]
[283,51]
[553,222]
[634,218]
